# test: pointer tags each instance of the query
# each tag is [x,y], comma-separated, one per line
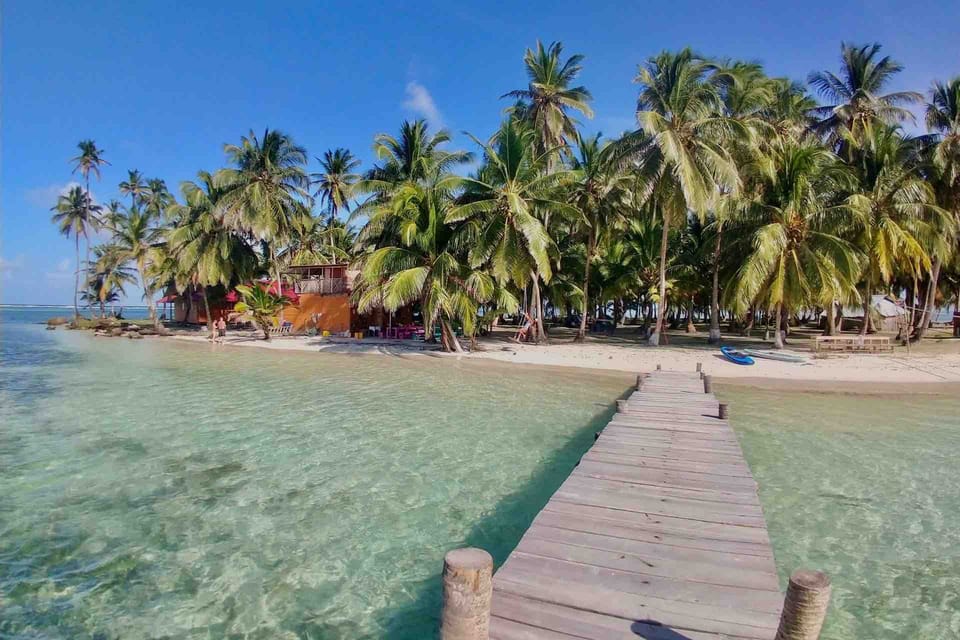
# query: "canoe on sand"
[737,357]
[775,355]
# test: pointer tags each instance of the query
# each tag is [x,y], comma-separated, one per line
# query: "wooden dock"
[657,534]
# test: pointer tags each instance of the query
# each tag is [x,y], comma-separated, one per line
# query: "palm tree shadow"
[498,533]
[653,630]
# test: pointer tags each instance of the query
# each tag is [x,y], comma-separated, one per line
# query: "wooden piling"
[707,384]
[621,406]
[639,382]
[467,595]
[724,411]
[658,366]
[805,606]
[699,367]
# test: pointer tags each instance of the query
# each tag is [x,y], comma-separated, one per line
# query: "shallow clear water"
[866,488]
[153,489]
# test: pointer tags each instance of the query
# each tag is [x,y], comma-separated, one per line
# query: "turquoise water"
[867,489]
[153,489]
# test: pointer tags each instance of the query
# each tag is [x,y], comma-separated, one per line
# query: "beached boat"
[775,355]
[736,357]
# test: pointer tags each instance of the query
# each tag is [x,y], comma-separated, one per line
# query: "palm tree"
[137,240]
[88,161]
[427,264]
[548,99]
[133,186]
[855,96]
[335,181]
[207,252]
[413,157]
[315,241]
[797,248]
[943,120]
[895,213]
[261,192]
[110,272]
[683,162]
[76,215]
[261,305]
[503,200]
[600,193]
[156,198]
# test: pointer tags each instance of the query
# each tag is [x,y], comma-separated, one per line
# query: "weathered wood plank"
[657,533]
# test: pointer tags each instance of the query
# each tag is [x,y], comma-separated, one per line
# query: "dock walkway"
[657,534]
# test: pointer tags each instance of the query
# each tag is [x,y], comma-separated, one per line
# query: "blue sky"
[161,87]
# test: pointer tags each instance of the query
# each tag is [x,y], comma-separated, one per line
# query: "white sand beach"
[932,365]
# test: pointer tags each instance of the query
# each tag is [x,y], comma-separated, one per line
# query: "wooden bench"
[851,343]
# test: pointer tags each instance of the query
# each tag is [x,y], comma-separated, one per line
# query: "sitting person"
[524,330]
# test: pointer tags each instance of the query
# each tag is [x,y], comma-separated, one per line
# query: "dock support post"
[805,606]
[707,384]
[699,367]
[621,406]
[467,594]
[658,366]
[724,411]
[639,382]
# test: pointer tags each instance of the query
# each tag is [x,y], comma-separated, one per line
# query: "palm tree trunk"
[714,335]
[450,342]
[538,304]
[868,294]
[778,334]
[661,304]
[582,332]
[276,265]
[921,327]
[206,306]
[830,329]
[76,280]
[691,327]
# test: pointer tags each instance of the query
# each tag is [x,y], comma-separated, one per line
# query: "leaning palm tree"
[335,182]
[207,252]
[263,188]
[897,220]
[503,201]
[683,161]
[111,272]
[137,239]
[76,215]
[856,97]
[549,98]
[799,220]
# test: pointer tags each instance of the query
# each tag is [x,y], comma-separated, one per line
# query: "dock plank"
[657,533]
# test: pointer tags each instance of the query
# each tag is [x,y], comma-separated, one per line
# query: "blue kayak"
[734,356]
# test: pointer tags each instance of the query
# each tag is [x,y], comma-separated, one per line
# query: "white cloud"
[46,197]
[9,267]
[420,101]
[63,272]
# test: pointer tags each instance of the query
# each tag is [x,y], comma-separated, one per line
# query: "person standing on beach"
[221,329]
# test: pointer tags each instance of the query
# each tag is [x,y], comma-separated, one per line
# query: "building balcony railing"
[322,286]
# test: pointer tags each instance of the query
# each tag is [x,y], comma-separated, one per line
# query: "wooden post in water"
[467,593]
[639,382]
[707,384]
[621,406]
[724,411]
[805,606]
